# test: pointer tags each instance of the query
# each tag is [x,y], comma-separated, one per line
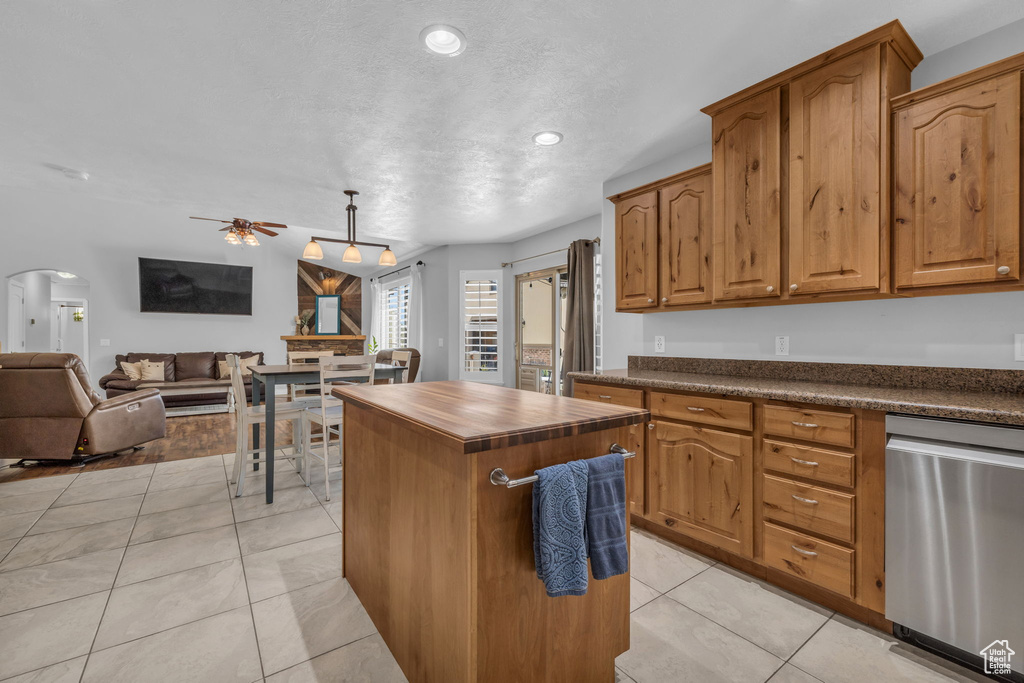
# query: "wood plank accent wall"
[350,287]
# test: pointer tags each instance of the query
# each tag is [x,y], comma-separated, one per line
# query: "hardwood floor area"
[188,436]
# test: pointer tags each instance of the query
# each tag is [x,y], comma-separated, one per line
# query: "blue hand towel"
[559,528]
[606,516]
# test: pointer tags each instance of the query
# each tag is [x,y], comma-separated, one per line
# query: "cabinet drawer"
[810,425]
[825,564]
[620,396]
[707,410]
[813,508]
[819,464]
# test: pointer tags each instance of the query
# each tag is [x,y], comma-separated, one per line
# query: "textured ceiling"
[267,109]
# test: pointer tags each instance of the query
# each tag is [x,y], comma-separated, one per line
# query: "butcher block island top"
[442,559]
[481,417]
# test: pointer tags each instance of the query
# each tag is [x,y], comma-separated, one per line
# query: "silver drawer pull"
[809,553]
[696,410]
[809,501]
[603,396]
[803,462]
[809,425]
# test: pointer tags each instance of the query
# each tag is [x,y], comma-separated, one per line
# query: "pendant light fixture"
[314,252]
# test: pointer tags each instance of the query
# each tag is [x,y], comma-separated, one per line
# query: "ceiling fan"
[242,231]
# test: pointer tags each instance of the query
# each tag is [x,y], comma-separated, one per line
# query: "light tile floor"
[156,573]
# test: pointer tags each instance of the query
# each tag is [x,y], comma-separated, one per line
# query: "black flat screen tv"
[189,287]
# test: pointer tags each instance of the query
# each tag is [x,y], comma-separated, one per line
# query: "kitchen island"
[442,558]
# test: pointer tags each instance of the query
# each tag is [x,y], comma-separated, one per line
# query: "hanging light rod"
[351,255]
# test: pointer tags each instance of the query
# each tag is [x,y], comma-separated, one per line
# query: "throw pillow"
[133,370]
[152,372]
[244,364]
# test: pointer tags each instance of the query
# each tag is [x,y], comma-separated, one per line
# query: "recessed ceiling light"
[547,138]
[444,40]
[66,276]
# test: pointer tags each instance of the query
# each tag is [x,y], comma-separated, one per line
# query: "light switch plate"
[659,344]
[104,342]
[440,342]
[1018,347]
[782,346]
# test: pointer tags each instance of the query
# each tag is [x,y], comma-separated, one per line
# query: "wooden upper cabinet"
[636,251]
[835,132]
[684,228]
[747,184]
[958,183]
[702,485]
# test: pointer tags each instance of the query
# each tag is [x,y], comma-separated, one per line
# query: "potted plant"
[303,320]
[371,347]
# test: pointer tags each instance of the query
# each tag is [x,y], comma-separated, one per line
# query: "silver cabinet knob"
[650,301]
[1003,270]
[664,299]
[650,425]
[770,289]
[793,287]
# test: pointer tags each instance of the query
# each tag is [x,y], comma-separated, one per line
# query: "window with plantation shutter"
[394,314]
[481,325]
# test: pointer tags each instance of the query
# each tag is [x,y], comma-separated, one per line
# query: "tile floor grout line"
[726,628]
[65,559]
[106,604]
[57,602]
[803,644]
[245,580]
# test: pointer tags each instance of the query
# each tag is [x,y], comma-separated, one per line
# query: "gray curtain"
[578,353]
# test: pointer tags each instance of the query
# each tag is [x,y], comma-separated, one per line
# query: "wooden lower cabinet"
[702,484]
[802,507]
[636,468]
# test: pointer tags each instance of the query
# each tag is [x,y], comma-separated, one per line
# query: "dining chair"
[246,416]
[305,391]
[401,359]
[334,370]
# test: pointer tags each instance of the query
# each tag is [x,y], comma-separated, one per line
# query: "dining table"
[265,380]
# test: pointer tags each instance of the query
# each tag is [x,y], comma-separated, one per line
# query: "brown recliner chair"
[49,412]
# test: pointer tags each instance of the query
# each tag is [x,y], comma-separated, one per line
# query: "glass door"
[538,340]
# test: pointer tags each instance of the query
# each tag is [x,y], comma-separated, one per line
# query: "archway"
[48,310]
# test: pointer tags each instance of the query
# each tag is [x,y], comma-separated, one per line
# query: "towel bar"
[499,478]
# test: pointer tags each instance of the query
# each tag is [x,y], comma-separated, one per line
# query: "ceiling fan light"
[352,255]
[313,251]
[232,238]
[387,258]
[251,240]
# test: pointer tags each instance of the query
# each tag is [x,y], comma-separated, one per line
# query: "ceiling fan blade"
[230,227]
[264,230]
[197,218]
[269,225]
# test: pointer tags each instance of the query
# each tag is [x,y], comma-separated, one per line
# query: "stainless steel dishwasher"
[954,539]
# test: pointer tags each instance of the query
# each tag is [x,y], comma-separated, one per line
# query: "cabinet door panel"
[685,234]
[701,484]
[958,186]
[746,198]
[834,213]
[636,251]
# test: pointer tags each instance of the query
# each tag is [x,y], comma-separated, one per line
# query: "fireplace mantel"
[341,344]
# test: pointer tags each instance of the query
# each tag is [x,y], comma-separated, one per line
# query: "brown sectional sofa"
[180,370]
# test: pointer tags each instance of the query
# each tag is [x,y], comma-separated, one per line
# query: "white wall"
[968,331]
[101,242]
[38,313]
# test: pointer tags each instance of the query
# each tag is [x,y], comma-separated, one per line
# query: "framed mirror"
[328,314]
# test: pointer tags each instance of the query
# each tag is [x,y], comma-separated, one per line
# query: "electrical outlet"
[782,346]
[104,342]
[659,344]
[1018,347]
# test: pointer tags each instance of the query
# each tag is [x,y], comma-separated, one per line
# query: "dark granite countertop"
[950,401]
